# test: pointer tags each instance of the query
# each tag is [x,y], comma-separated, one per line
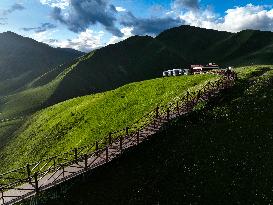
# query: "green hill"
[23,59]
[219,155]
[81,121]
[135,59]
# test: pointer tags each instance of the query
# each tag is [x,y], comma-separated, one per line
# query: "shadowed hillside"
[137,58]
[23,59]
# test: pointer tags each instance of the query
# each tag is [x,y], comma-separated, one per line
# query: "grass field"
[82,121]
[219,155]
[7,129]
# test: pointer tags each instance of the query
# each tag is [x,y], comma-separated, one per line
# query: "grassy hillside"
[23,59]
[137,58]
[219,155]
[82,121]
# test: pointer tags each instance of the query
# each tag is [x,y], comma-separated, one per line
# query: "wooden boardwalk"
[25,182]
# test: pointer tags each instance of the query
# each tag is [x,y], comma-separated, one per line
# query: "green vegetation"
[82,121]
[7,128]
[218,155]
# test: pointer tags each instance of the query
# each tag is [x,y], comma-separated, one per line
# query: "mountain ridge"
[22,59]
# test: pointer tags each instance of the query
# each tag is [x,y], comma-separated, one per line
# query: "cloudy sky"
[89,24]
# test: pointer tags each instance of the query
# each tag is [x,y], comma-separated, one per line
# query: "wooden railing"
[35,177]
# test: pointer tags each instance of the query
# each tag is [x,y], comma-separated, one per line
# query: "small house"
[198,69]
[174,72]
[165,73]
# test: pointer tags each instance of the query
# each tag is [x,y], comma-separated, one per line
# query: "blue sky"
[89,24]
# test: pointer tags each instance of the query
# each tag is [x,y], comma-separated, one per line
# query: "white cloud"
[248,17]
[85,41]
[235,19]
[127,31]
[43,36]
[120,9]
[56,3]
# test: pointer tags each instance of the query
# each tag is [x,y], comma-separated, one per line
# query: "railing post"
[85,161]
[127,131]
[198,95]
[63,170]
[137,136]
[157,112]
[36,182]
[177,107]
[28,173]
[120,144]
[76,155]
[97,147]
[168,114]
[110,139]
[2,196]
[106,153]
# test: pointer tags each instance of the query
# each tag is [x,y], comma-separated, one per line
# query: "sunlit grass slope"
[82,121]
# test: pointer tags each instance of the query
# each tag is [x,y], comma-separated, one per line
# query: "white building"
[174,72]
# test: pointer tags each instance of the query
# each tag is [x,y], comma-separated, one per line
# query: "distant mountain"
[134,59]
[23,59]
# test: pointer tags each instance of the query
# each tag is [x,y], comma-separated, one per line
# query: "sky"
[86,25]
